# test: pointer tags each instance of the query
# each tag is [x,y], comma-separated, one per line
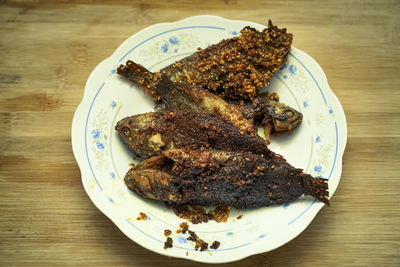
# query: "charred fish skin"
[238,179]
[150,133]
[234,68]
[180,96]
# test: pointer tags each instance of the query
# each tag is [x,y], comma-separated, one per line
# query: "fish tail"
[316,187]
[141,76]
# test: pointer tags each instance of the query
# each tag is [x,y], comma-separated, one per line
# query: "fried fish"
[234,68]
[150,133]
[279,117]
[226,178]
[181,96]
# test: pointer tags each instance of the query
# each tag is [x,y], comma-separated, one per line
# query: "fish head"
[284,118]
[151,179]
[139,134]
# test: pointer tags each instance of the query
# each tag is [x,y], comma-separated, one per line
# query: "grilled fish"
[212,178]
[279,117]
[234,68]
[150,133]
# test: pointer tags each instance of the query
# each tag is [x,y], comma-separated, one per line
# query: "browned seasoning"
[168,243]
[192,236]
[234,68]
[167,232]
[184,226]
[142,216]
[269,96]
[239,217]
[215,245]
[198,215]
[220,214]
[193,214]
[199,243]
[203,245]
[187,253]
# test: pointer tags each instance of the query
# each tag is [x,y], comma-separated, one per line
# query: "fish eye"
[126,131]
[289,113]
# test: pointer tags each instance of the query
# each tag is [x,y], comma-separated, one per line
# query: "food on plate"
[201,146]
[184,227]
[167,232]
[234,68]
[168,243]
[181,96]
[278,118]
[199,243]
[142,216]
[226,178]
[195,214]
[150,133]
[215,245]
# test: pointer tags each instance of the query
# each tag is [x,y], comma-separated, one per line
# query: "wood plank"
[47,51]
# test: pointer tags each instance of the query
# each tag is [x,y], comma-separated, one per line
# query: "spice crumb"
[184,226]
[203,245]
[215,245]
[142,216]
[168,243]
[220,214]
[192,237]
[239,217]
[167,232]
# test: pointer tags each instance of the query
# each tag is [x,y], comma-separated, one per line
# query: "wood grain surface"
[49,48]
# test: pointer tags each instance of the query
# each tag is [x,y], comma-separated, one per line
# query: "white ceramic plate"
[316,146]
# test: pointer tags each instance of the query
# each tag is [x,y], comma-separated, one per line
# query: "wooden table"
[47,52]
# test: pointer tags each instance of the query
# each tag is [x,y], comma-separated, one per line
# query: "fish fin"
[267,130]
[316,187]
